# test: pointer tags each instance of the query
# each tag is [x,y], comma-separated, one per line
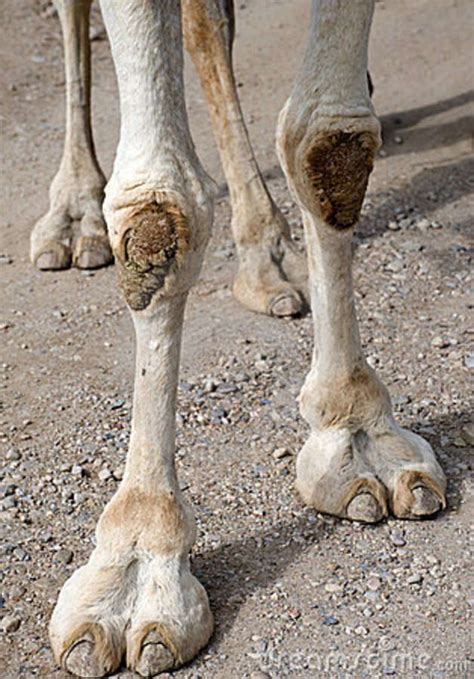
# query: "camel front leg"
[76,192]
[272,275]
[136,596]
[358,462]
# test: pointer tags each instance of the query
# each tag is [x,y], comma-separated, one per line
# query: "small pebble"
[374,584]
[439,342]
[104,474]
[46,537]
[469,361]
[397,538]
[209,386]
[117,405]
[9,502]
[423,224]
[330,620]
[333,587]
[13,454]
[118,473]
[260,646]
[396,265]
[64,556]
[415,579]
[279,453]
[21,554]
[10,623]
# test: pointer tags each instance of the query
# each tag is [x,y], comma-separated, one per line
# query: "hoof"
[425,502]
[286,304]
[272,275]
[53,256]
[92,652]
[332,475]
[417,495]
[82,662]
[155,657]
[92,252]
[364,507]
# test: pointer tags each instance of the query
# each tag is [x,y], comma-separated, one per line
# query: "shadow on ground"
[415,115]
[429,190]
[241,568]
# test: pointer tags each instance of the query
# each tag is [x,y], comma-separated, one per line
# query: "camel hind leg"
[76,192]
[271,278]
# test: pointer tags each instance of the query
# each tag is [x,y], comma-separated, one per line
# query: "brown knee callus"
[337,167]
[155,239]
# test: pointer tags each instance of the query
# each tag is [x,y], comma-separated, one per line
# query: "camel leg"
[136,595]
[76,192]
[272,276]
[358,462]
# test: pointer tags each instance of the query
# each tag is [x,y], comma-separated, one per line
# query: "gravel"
[10,624]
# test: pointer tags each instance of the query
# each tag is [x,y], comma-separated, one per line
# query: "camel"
[136,597]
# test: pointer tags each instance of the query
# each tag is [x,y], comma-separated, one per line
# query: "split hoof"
[286,304]
[417,495]
[425,502]
[53,256]
[364,507]
[154,656]
[82,662]
[92,252]
[92,653]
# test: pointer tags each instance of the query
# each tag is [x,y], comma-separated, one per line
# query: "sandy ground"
[295,594]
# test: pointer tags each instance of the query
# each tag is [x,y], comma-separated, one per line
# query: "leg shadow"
[234,571]
[428,138]
[456,460]
[394,121]
[429,190]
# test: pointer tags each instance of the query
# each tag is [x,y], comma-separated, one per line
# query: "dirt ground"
[294,593]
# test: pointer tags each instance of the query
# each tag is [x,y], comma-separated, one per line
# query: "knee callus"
[336,171]
[156,238]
